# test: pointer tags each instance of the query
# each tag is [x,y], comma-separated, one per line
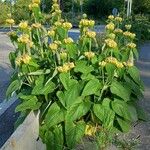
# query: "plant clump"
[80,89]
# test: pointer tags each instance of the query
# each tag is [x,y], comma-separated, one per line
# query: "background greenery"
[96,9]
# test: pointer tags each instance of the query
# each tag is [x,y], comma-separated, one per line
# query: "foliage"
[80,88]
[20,10]
[4,11]
[102,8]
[140,26]
[141,7]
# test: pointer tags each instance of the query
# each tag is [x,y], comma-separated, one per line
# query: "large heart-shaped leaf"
[91,87]
[119,90]
[54,115]
[74,133]
[78,109]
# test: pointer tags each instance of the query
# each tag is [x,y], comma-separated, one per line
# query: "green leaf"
[124,110]
[135,74]
[72,50]
[53,138]
[12,57]
[78,109]
[74,133]
[105,115]
[41,89]
[60,95]
[91,87]
[13,87]
[31,104]
[110,68]
[54,115]
[87,77]
[64,78]
[118,89]
[125,126]
[135,88]
[69,97]
[81,66]
[39,72]
[61,32]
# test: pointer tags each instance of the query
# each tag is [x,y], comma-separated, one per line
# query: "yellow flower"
[66,67]
[91,23]
[84,22]
[55,6]
[57,42]
[119,19]
[118,31]
[129,34]
[58,11]
[128,26]
[90,130]
[112,36]
[112,60]
[67,25]
[68,40]
[31,44]
[18,61]
[36,25]
[10,21]
[57,23]
[110,26]
[36,1]
[111,43]
[53,46]
[54,1]
[71,65]
[89,55]
[103,63]
[12,34]
[63,55]
[34,5]
[51,33]
[131,45]
[111,17]
[25,58]
[84,15]
[119,65]
[23,25]
[24,38]
[60,69]
[130,64]
[91,34]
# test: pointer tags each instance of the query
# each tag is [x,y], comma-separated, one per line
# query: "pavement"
[7,119]
[5,48]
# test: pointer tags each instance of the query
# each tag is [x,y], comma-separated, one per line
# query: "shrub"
[140,26]
[79,88]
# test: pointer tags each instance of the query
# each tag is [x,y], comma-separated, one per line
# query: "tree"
[102,8]
[141,6]
[5,9]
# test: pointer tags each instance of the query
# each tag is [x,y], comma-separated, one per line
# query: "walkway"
[5,69]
